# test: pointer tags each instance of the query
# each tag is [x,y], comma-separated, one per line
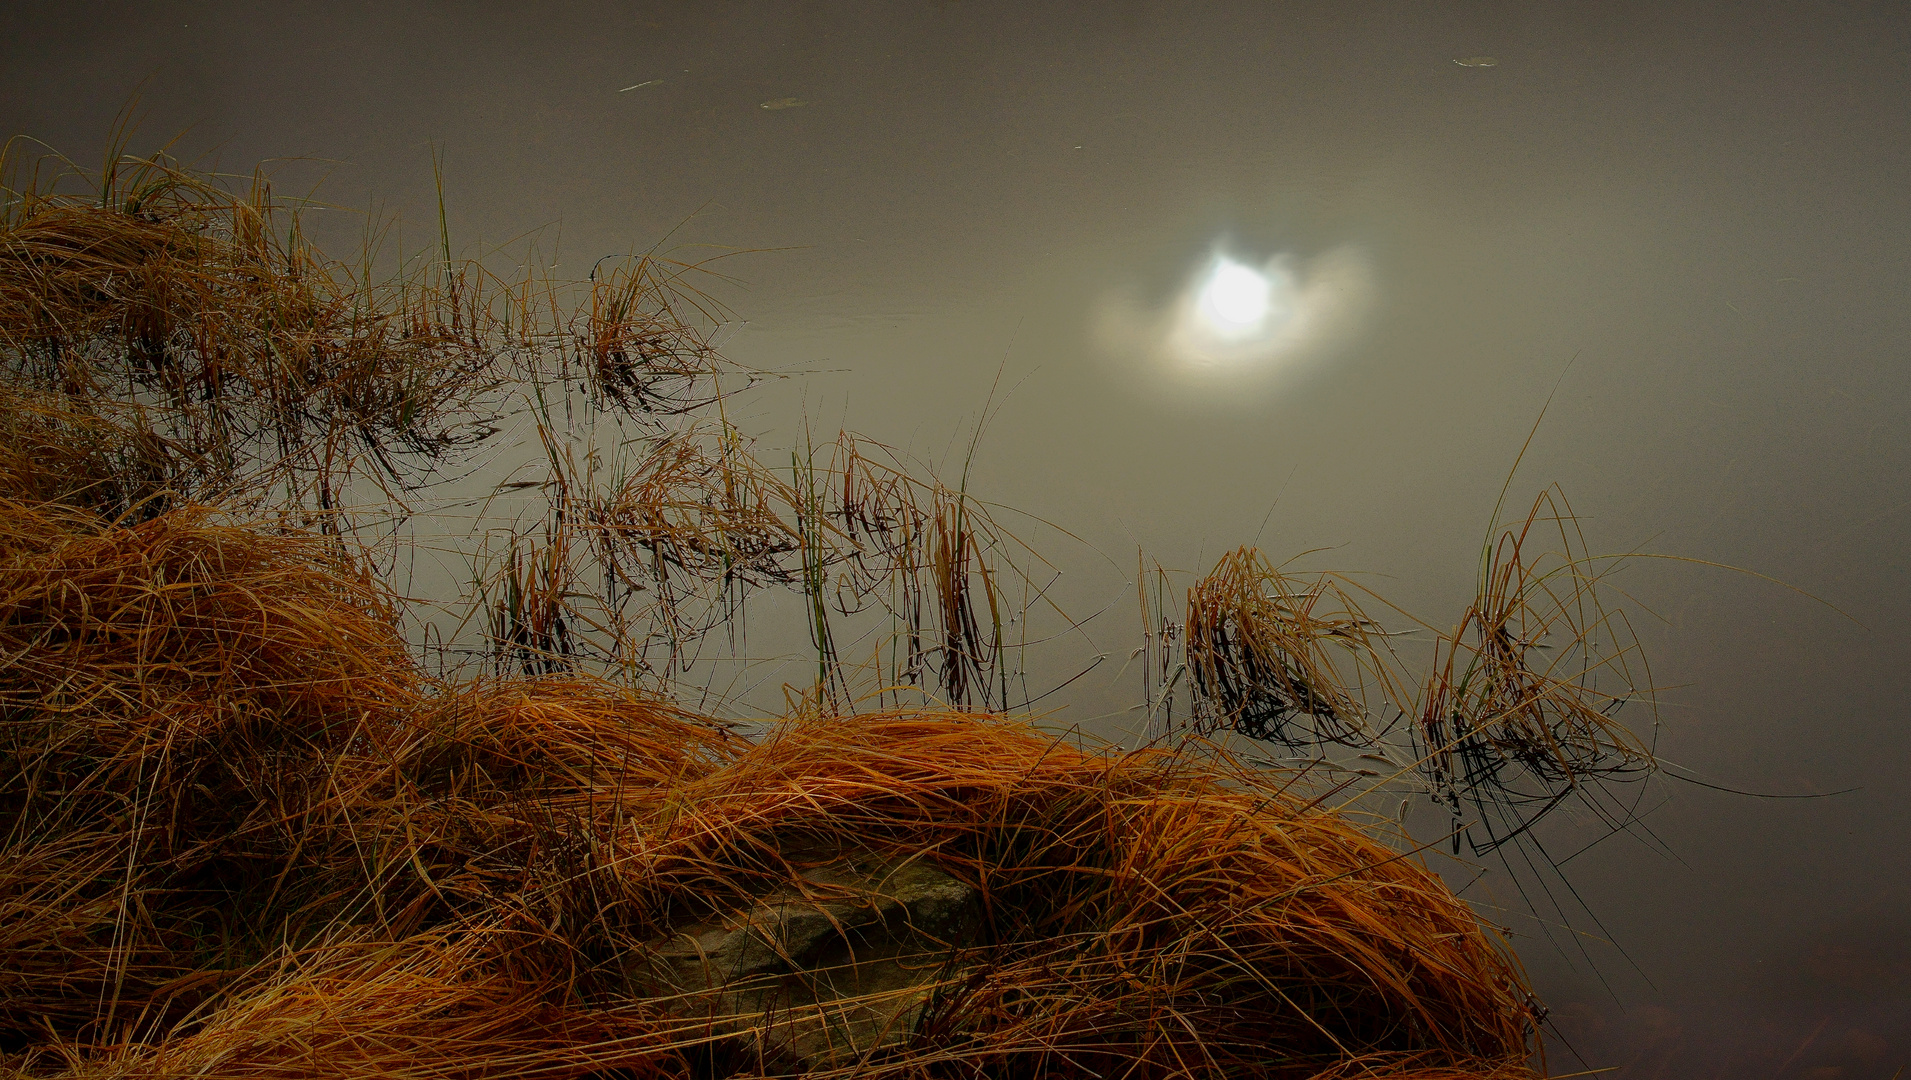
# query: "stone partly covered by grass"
[839,963]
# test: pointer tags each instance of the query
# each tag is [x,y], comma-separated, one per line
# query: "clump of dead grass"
[1516,712]
[154,289]
[170,335]
[1268,651]
[1518,709]
[95,455]
[193,309]
[169,695]
[244,837]
[1155,913]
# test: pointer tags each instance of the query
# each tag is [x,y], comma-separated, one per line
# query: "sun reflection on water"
[1238,300]
[1234,318]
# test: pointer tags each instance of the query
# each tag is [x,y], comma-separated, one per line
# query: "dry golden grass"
[635,562]
[104,457]
[171,691]
[1268,651]
[154,289]
[167,335]
[196,312]
[1517,712]
[1151,914]
[245,838]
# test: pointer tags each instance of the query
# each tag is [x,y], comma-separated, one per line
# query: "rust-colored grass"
[1275,657]
[244,837]
[1151,914]
[1518,710]
[170,694]
[168,335]
[202,311]
[197,312]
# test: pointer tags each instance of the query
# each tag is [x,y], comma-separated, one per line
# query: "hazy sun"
[1236,299]
[1235,317]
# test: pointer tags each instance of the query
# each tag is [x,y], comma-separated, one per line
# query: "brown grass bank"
[244,836]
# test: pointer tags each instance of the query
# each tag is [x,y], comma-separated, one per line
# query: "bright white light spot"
[1236,297]
[1233,320]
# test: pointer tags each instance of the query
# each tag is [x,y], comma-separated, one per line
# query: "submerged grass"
[1518,711]
[1259,644]
[167,335]
[151,288]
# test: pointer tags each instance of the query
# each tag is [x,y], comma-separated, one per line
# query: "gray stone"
[829,968]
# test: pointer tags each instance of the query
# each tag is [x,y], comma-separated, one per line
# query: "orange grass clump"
[99,456]
[169,693]
[243,837]
[1518,711]
[155,289]
[1258,650]
[254,365]
[1149,914]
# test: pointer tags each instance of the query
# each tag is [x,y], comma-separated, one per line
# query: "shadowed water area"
[1298,275]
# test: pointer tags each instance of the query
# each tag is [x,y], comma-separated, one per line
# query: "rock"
[825,970]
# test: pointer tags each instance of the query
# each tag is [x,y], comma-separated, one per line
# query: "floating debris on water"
[641,85]
[1478,61]
[784,103]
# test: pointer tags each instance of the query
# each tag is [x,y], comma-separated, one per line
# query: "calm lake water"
[1693,219]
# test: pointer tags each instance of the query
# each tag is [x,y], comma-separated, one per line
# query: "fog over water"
[1275,273]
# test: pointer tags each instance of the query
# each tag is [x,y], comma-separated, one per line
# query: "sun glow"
[1237,299]
[1235,318]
